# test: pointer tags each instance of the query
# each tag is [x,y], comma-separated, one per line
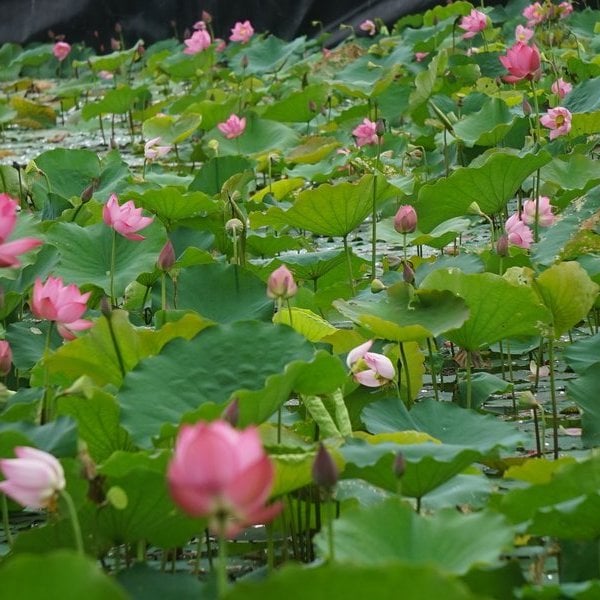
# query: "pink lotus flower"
[5,358]
[523,34]
[281,284]
[518,233]
[369,368]
[535,14]
[61,50]
[33,478]
[561,88]
[233,127]
[166,258]
[125,219]
[64,304]
[366,133]
[220,45]
[198,42]
[200,25]
[405,220]
[8,220]
[421,56]
[152,149]
[242,32]
[368,26]
[522,62]
[564,9]
[223,474]
[545,216]
[558,120]
[473,23]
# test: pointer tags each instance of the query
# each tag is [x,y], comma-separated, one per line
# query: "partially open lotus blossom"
[125,219]
[61,50]
[368,26]
[405,220]
[64,304]
[522,62]
[518,233]
[5,357]
[366,133]
[281,284]
[535,14]
[153,150]
[242,32]
[8,220]
[223,474]
[473,23]
[33,478]
[558,120]
[233,127]
[561,88]
[369,368]
[523,34]
[545,216]
[197,42]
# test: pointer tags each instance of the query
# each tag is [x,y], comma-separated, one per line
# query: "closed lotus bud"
[232,413]
[399,465]
[87,194]
[380,127]
[5,357]
[166,258]
[324,470]
[245,62]
[105,307]
[502,245]
[405,220]
[527,110]
[281,284]
[408,273]
[312,106]
[206,16]
[377,286]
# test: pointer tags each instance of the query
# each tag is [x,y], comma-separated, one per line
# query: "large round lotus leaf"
[336,582]
[583,353]
[486,127]
[392,532]
[497,308]
[117,101]
[60,574]
[211,367]
[491,185]
[268,55]
[584,390]
[296,107]
[171,129]
[402,315]
[85,254]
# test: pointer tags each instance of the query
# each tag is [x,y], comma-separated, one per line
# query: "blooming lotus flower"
[535,14]
[545,216]
[368,26]
[281,284]
[61,50]
[197,42]
[5,357]
[369,368]
[522,62]
[125,219]
[421,56]
[473,23]
[33,478]
[8,220]
[64,304]
[518,233]
[233,127]
[366,133]
[561,88]
[242,32]
[223,474]
[405,220]
[152,149]
[558,120]
[523,34]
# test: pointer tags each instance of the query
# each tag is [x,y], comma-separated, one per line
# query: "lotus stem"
[113,261]
[349,261]
[433,371]
[5,521]
[553,397]
[330,518]
[469,386]
[406,375]
[74,521]
[222,562]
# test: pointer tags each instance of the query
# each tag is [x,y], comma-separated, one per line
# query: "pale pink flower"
[523,34]
[535,14]
[107,75]
[125,219]
[564,9]
[405,220]
[281,284]
[368,26]
[366,133]
[369,368]
[5,357]
[63,304]
[8,220]
[473,23]
[421,56]
[242,32]
[522,62]
[220,45]
[152,149]
[518,233]
[545,216]
[561,88]
[223,474]
[199,25]
[166,258]
[198,42]
[233,127]
[61,50]
[558,120]
[33,479]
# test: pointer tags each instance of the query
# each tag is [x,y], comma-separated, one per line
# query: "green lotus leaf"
[117,101]
[488,126]
[171,129]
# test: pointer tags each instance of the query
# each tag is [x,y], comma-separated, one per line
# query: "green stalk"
[406,375]
[222,562]
[553,396]
[433,371]
[374,215]
[74,521]
[349,260]
[469,387]
[113,260]
[330,517]
[163,291]
[5,521]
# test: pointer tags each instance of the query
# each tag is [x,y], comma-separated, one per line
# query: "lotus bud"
[166,258]
[527,110]
[105,307]
[528,399]
[399,465]
[474,209]
[377,286]
[405,220]
[502,245]
[5,358]
[312,106]
[232,413]
[281,284]
[245,61]
[380,127]
[324,470]
[408,273]
[206,16]
[87,194]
